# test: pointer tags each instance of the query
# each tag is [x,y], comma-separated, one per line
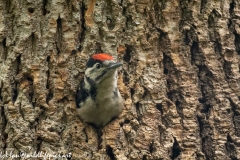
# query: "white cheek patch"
[87,71]
[90,73]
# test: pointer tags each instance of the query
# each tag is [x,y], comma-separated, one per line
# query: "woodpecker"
[98,99]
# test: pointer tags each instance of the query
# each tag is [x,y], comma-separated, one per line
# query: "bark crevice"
[5,51]
[109,152]
[59,36]
[44,10]
[176,149]
[82,25]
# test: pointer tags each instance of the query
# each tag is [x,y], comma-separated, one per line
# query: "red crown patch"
[102,56]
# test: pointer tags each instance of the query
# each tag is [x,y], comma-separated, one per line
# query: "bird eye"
[98,66]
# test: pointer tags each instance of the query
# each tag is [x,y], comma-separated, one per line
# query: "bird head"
[101,66]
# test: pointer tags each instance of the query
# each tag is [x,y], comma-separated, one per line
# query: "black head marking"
[93,89]
[101,75]
[82,94]
[92,61]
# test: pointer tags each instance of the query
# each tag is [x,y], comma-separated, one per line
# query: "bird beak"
[114,65]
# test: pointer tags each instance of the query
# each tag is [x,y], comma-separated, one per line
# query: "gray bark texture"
[180,78]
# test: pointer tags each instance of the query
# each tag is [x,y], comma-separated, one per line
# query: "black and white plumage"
[98,98]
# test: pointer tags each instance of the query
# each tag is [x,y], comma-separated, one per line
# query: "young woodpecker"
[98,98]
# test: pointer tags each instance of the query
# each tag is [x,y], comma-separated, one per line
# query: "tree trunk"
[180,78]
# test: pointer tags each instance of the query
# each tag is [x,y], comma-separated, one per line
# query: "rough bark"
[180,78]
